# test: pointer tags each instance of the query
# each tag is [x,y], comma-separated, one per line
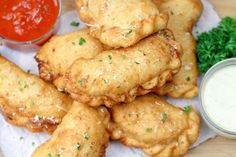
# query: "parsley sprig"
[217,44]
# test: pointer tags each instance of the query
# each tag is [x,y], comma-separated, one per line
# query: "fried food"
[120,75]
[29,102]
[61,51]
[82,133]
[183,16]
[155,126]
[121,23]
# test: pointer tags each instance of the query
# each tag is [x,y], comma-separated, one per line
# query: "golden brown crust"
[29,102]
[120,75]
[183,16]
[152,124]
[120,23]
[82,133]
[61,51]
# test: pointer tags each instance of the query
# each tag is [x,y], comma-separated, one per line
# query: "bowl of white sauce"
[218,98]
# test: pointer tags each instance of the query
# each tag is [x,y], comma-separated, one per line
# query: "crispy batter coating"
[29,102]
[121,23]
[82,133]
[61,51]
[183,16]
[155,126]
[120,75]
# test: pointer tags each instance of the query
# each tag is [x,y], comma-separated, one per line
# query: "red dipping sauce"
[27,20]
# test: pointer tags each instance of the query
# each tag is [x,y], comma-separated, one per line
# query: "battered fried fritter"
[183,16]
[29,102]
[82,133]
[155,126]
[120,75]
[121,23]
[61,51]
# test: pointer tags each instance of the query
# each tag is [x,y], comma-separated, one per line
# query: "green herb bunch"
[217,44]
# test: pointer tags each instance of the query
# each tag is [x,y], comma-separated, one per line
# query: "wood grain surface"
[218,147]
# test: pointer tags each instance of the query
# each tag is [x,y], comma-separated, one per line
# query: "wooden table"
[218,147]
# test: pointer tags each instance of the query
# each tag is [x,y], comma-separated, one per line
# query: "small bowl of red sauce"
[27,24]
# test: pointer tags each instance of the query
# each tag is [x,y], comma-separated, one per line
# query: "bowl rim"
[30,42]
[218,66]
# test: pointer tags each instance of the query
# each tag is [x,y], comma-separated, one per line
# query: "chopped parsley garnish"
[136,62]
[82,41]
[148,129]
[33,143]
[174,87]
[86,136]
[57,155]
[81,82]
[122,56]
[164,117]
[78,146]
[40,118]
[21,138]
[110,57]
[105,81]
[188,78]
[26,85]
[49,155]
[187,109]
[129,32]
[73,43]
[100,60]
[75,24]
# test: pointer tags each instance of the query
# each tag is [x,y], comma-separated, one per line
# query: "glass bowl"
[34,45]
[218,129]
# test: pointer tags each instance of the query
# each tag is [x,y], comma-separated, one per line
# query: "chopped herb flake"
[75,24]
[81,83]
[78,146]
[122,56]
[26,85]
[57,155]
[73,43]
[188,78]
[110,57]
[100,60]
[28,71]
[164,117]
[82,41]
[137,62]
[187,109]
[148,129]
[33,143]
[174,87]
[129,32]
[21,138]
[49,155]
[105,81]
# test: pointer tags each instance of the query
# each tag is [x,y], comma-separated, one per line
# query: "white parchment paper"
[18,142]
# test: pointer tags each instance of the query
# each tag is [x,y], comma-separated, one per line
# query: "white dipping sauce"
[219,98]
